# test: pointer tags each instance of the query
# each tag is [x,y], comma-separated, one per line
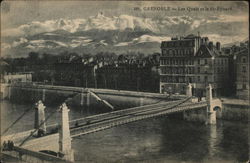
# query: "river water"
[152,140]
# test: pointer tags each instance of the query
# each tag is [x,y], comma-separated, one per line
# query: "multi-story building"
[242,73]
[192,59]
[129,73]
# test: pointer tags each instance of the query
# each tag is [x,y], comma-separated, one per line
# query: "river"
[152,140]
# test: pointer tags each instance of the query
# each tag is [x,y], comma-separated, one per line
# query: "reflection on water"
[152,140]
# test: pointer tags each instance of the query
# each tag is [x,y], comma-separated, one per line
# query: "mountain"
[91,41]
[95,34]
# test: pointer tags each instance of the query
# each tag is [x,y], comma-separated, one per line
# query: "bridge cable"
[131,114]
[31,134]
[185,100]
[20,117]
[162,100]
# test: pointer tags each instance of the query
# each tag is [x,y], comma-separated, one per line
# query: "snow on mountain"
[148,38]
[100,22]
[98,33]
[143,39]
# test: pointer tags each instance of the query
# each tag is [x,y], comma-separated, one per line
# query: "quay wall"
[235,109]
[54,95]
[232,109]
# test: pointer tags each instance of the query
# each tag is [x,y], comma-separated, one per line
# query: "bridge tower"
[189,90]
[44,95]
[211,113]
[40,117]
[64,134]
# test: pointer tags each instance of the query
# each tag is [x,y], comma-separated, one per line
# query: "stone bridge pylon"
[213,105]
[40,124]
[64,134]
[208,114]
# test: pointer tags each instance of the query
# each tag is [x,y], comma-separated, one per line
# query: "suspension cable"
[31,134]
[20,117]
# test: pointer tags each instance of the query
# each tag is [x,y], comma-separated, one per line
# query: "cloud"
[5,46]
[19,42]
[37,27]
[101,22]
[227,18]
[80,41]
[225,39]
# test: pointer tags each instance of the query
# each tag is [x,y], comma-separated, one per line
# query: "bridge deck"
[127,116]
[103,121]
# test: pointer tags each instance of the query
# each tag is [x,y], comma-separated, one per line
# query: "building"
[242,73]
[17,77]
[75,74]
[130,73]
[195,60]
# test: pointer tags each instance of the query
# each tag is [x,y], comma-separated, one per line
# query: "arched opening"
[218,111]
[216,108]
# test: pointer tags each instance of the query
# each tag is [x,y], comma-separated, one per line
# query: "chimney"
[218,46]
[210,45]
[206,40]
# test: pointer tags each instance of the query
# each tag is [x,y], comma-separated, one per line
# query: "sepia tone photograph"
[124,81]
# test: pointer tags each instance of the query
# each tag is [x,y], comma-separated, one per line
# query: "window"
[205,78]
[199,70]
[163,52]
[244,69]
[244,86]
[244,60]
[176,79]
[198,61]
[190,80]
[205,61]
[199,78]
[170,52]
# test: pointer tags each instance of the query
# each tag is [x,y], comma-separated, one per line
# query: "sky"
[228,24]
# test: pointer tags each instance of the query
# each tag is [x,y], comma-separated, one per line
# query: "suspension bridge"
[58,137]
